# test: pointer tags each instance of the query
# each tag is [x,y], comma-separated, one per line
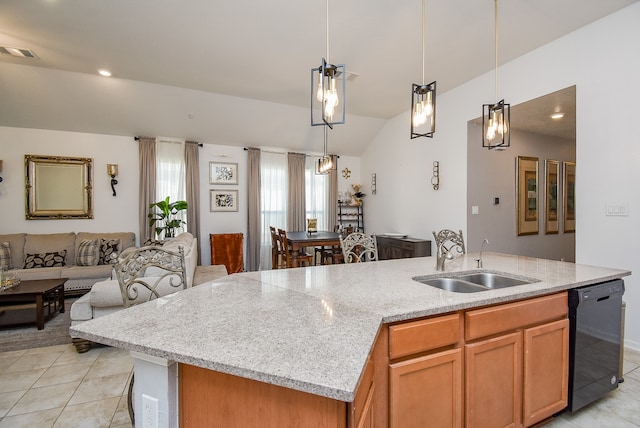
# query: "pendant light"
[423,101]
[328,90]
[496,118]
[326,163]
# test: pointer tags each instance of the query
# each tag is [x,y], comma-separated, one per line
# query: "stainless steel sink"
[473,282]
[452,284]
[493,280]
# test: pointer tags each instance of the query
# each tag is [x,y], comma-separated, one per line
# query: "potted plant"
[165,218]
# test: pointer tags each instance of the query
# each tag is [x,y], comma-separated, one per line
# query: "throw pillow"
[40,260]
[5,256]
[153,243]
[88,252]
[108,247]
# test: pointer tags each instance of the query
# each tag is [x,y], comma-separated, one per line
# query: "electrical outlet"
[149,412]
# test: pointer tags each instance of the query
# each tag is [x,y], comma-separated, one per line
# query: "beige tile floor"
[57,387]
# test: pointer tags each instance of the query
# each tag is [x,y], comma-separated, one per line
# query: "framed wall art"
[527,195]
[223,200]
[223,173]
[569,197]
[551,176]
[58,187]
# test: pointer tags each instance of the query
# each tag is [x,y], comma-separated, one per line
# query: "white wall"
[221,222]
[111,214]
[491,174]
[601,60]
[120,213]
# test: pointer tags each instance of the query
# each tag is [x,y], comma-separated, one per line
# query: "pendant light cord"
[325,141]
[496,45]
[328,32]
[423,13]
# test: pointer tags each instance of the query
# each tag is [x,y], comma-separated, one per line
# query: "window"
[273,204]
[317,194]
[170,171]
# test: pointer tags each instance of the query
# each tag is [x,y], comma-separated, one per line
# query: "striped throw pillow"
[88,252]
[5,256]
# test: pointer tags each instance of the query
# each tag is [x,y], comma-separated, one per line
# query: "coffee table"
[40,294]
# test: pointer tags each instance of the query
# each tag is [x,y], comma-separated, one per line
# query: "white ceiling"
[264,51]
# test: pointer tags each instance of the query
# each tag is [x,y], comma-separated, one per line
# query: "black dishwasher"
[595,315]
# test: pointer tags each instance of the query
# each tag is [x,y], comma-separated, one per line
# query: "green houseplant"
[165,218]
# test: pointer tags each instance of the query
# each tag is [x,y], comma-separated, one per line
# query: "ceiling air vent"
[20,53]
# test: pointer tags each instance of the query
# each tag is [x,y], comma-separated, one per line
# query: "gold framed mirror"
[58,187]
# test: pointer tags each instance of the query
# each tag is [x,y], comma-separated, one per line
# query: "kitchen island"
[310,330]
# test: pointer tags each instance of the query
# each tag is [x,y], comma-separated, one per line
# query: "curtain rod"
[284,153]
[138,139]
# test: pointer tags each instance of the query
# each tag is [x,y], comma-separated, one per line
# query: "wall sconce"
[0,170]
[112,171]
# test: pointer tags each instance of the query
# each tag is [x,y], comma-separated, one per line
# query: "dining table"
[301,239]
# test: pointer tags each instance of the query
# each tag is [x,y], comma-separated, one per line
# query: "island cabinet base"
[214,399]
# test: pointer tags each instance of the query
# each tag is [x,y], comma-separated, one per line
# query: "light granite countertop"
[311,329]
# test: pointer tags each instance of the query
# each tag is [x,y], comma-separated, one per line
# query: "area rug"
[55,332]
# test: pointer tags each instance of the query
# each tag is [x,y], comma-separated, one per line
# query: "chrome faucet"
[443,253]
[479,261]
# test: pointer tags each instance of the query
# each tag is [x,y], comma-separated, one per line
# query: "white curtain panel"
[317,189]
[273,201]
[170,170]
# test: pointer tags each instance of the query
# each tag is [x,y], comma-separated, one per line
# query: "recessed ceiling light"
[557,115]
[105,73]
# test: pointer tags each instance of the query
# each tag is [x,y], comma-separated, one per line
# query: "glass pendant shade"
[325,165]
[496,119]
[328,89]
[423,110]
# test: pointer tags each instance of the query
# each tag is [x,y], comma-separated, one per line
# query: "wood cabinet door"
[493,379]
[366,418]
[426,391]
[398,253]
[546,370]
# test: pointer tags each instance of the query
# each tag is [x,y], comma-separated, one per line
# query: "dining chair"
[302,256]
[358,247]
[275,248]
[328,254]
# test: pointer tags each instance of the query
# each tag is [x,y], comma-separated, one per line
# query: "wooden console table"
[402,248]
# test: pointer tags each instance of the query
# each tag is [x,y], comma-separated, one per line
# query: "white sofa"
[105,297]
[81,278]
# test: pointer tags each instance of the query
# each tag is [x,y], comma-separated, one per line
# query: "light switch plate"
[475,209]
[617,210]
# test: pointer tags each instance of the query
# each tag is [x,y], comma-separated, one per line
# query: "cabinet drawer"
[511,316]
[419,336]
